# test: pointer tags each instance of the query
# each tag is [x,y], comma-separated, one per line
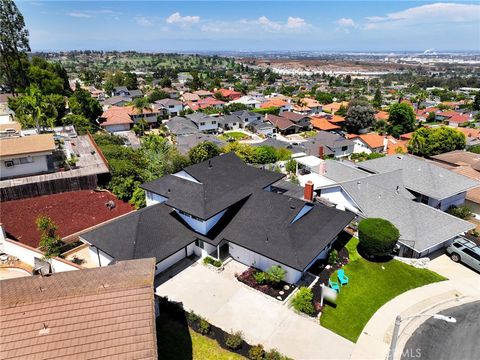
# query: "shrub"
[212,261]
[291,166]
[234,341]
[260,277]
[333,257]
[303,301]
[256,352]
[377,236]
[275,355]
[462,212]
[192,317]
[203,326]
[276,274]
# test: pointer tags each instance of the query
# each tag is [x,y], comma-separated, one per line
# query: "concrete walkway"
[462,287]
[232,306]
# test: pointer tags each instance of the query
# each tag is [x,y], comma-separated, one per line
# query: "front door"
[223,251]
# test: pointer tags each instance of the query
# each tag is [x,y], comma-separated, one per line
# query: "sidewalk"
[463,286]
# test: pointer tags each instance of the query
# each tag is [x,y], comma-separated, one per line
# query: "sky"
[387,25]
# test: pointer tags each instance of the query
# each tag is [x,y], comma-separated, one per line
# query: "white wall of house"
[207,124]
[343,151]
[28,254]
[205,249]
[339,197]
[174,110]
[99,257]
[261,262]
[152,198]
[23,165]
[199,225]
[117,127]
[169,261]
[444,204]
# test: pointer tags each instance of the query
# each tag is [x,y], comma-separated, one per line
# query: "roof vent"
[210,164]
[397,190]
[292,207]
[45,330]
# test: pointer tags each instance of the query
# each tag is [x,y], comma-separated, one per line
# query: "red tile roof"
[373,140]
[84,314]
[274,103]
[322,123]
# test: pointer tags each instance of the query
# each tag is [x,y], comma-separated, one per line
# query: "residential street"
[439,340]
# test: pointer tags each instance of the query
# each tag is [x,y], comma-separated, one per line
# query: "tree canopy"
[360,115]
[401,119]
[434,141]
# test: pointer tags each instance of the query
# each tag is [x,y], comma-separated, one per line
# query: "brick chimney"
[308,191]
[320,152]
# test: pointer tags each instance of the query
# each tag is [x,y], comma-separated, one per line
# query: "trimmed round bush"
[234,341]
[303,301]
[256,352]
[377,236]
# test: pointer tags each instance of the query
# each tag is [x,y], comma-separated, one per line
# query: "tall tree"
[401,118]
[360,115]
[377,99]
[13,46]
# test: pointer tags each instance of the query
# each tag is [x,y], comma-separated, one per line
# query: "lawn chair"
[342,278]
[334,285]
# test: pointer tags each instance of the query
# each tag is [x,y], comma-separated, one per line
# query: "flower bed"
[279,291]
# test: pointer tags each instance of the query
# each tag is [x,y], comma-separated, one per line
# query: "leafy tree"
[291,166]
[157,95]
[273,110]
[82,103]
[138,198]
[401,118]
[476,102]
[165,82]
[433,141]
[81,123]
[377,99]
[303,301]
[360,115]
[228,109]
[51,78]
[324,97]
[377,236]
[49,241]
[462,212]
[203,151]
[431,117]
[120,78]
[14,46]
[265,155]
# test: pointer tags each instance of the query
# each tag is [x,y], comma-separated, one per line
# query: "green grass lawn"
[308,134]
[176,341]
[371,284]
[234,135]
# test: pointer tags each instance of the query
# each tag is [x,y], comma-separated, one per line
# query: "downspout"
[98,254]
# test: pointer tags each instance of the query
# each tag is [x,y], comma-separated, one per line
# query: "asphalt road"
[440,340]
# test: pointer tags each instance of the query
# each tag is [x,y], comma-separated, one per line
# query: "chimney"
[308,191]
[320,152]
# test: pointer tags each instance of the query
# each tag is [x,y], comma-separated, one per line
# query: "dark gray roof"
[262,125]
[156,231]
[278,144]
[223,181]
[135,93]
[421,176]
[168,101]
[229,119]
[116,99]
[197,117]
[185,143]
[181,126]
[264,225]
[243,114]
[330,140]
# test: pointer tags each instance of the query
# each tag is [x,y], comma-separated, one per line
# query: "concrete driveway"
[226,303]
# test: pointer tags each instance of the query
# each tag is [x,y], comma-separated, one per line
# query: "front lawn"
[308,134]
[371,284]
[236,135]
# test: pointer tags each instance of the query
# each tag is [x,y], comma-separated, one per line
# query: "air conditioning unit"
[9,163]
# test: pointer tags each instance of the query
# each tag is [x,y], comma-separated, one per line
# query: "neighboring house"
[278,144]
[423,229]
[262,128]
[106,312]
[26,155]
[321,123]
[181,126]
[230,122]
[121,118]
[281,104]
[368,143]
[203,93]
[116,101]
[249,101]
[229,94]
[334,107]
[467,164]
[282,124]
[6,114]
[428,183]
[171,106]
[395,146]
[204,103]
[190,98]
[332,144]
[222,207]
[185,143]
[11,128]
[302,121]
[248,117]
[205,123]
[308,106]
[472,136]
[123,91]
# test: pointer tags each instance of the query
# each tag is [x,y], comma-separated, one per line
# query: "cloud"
[265,24]
[426,14]
[88,14]
[295,23]
[345,22]
[143,21]
[177,18]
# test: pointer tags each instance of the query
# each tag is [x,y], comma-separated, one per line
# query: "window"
[171,106]
[344,148]
[9,163]
[472,254]
[457,245]
[202,124]
[214,122]
[199,243]
[26,160]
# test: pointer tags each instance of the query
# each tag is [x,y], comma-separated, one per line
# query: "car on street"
[465,251]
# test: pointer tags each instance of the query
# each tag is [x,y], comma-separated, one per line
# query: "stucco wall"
[152,198]
[38,165]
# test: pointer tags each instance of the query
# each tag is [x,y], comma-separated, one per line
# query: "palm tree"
[421,97]
[417,144]
[34,105]
[141,104]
